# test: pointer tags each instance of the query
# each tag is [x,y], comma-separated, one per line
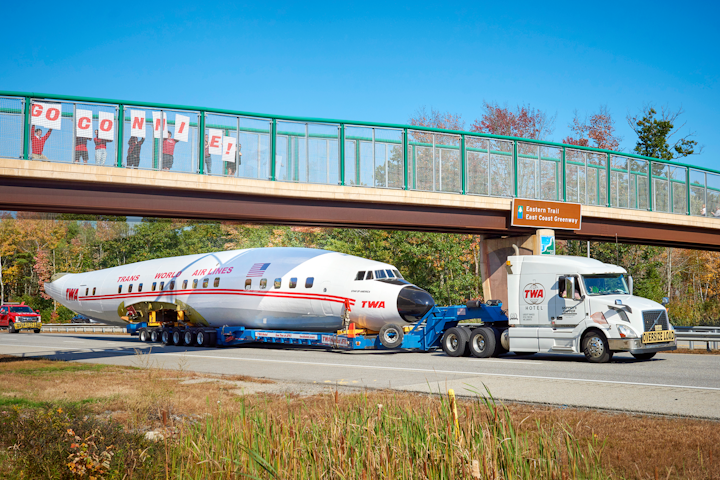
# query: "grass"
[211,432]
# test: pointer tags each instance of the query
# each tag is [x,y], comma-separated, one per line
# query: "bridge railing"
[208,141]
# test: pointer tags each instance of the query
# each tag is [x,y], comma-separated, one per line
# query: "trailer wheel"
[482,342]
[177,336]
[391,335]
[595,347]
[154,335]
[202,338]
[11,327]
[166,337]
[454,342]
[189,337]
[143,335]
[643,356]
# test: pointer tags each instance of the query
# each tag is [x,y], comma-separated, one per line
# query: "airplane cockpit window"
[154,286]
[184,284]
[139,288]
[94,290]
[206,282]
[162,285]
[293,282]
[360,275]
[172,285]
[248,283]
[309,282]
[263,283]
[389,273]
[277,283]
[216,282]
[369,276]
[195,282]
[380,274]
[397,274]
[120,289]
[130,288]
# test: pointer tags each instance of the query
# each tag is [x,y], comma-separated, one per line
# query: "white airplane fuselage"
[267,288]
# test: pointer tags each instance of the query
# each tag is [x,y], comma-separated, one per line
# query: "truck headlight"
[626,332]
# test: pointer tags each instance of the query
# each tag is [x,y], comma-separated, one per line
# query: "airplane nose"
[413,303]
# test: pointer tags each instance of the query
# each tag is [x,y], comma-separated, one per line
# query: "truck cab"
[580,305]
[18,316]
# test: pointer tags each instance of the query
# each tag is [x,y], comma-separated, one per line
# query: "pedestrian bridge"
[193,162]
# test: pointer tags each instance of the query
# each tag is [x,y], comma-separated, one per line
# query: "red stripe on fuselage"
[253,293]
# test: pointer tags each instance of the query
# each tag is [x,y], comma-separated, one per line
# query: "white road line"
[452,372]
[500,360]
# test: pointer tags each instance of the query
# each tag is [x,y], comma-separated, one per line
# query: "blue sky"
[377,61]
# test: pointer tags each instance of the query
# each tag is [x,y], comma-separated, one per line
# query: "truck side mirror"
[665,301]
[569,288]
[630,284]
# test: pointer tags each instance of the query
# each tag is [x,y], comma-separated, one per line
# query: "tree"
[524,122]
[437,119]
[598,132]
[654,134]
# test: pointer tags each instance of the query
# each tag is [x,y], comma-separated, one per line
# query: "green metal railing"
[379,155]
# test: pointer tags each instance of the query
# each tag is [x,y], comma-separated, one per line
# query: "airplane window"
[206,281]
[195,282]
[397,274]
[139,288]
[263,283]
[380,274]
[94,290]
[278,282]
[360,275]
[162,285]
[293,282]
[184,284]
[86,291]
[172,285]
[389,273]
[369,276]
[154,286]
[130,288]
[248,283]
[120,289]
[309,282]
[216,283]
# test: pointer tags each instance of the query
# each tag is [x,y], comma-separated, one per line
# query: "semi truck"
[556,304]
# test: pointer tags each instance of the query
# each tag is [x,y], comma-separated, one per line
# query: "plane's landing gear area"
[185,337]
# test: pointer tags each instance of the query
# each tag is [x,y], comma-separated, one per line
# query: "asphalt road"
[672,384]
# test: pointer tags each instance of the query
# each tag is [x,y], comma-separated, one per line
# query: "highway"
[670,384]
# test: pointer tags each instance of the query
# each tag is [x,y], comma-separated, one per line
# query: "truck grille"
[655,317]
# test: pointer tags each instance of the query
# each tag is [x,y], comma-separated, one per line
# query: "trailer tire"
[391,335]
[595,347]
[189,338]
[177,336]
[166,337]
[143,335]
[483,342]
[202,338]
[455,342]
[643,356]
[154,335]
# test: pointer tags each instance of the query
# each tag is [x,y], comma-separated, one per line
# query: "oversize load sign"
[542,214]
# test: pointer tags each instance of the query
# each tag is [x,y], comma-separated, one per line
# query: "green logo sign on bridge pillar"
[545,239]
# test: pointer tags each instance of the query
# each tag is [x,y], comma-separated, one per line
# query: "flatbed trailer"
[439,328]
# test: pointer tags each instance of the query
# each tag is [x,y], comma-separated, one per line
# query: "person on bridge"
[208,156]
[232,166]
[100,149]
[168,152]
[703,212]
[717,212]
[133,156]
[81,151]
[38,144]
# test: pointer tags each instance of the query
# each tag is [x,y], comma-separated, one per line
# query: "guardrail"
[207,141]
[85,328]
[708,335]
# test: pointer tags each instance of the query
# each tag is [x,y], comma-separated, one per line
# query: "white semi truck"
[563,304]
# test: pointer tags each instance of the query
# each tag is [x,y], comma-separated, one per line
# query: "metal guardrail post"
[341,153]
[463,167]
[687,190]
[27,131]
[273,150]
[609,172]
[406,169]
[201,143]
[651,199]
[120,142]
[515,170]
[564,176]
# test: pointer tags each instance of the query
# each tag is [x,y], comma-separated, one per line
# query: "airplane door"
[568,306]
[326,306]
[81,294]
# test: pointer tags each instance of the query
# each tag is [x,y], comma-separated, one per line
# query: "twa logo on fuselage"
[366,304]
[71,294]
[534,293]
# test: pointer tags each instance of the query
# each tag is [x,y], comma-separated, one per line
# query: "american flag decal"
[258,269]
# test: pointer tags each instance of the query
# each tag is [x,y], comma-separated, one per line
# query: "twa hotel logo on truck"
[534,293]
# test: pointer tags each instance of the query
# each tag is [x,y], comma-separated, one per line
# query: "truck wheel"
[499,349]
[143,335]
[37,330]
[391,335]
[482,342]
[189,338]
[11,328]
[166,337]
[177,336]
[595,347]
[202,339]
[643,356]
[154,335]
[455,342]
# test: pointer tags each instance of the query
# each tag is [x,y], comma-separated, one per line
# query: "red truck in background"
[18,316]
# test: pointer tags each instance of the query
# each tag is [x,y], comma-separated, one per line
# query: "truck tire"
[143,335]
[499,349]
[643,356]
[177,336]
[595,347]
[189,338]
[391,335]
[154,335]
[37,330]
[166,336]
[483,342]
[202,338]
[455,342]
[11,328]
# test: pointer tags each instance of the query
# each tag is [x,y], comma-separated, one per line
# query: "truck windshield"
[608,284]
[21,310]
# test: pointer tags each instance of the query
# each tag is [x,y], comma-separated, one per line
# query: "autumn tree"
[524,122]
[598,131]
[655,131]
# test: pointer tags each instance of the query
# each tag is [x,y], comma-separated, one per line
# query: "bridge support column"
[495,252]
